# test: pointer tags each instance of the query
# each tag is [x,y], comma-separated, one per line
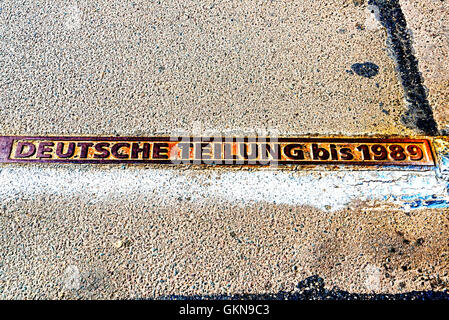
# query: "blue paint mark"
[431,204]
[415,204]
[417,197]
[445,160]
[437,204]
[417,201]
[408,197]
[422,201]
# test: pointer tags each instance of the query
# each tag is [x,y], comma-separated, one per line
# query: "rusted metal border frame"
[425,141]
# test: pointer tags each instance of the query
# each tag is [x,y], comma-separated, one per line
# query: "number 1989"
[391,152]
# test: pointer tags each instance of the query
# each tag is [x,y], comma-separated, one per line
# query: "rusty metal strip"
[218,150]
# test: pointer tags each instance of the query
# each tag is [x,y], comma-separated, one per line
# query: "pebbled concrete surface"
[141,247]
[139,68]
[143,68]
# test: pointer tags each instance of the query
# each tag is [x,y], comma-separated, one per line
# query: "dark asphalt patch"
[419,114]
[312,288]
[366,69]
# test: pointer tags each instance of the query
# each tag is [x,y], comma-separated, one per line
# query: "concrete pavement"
[290,68]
